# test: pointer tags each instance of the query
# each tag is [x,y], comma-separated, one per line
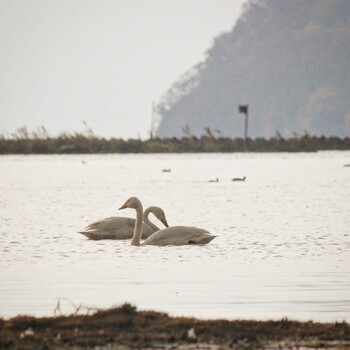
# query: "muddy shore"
[124,328]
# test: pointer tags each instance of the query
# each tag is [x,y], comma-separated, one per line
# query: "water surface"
[283,245]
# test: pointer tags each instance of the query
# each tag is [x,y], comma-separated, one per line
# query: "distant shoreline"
[126,328]
[90,144]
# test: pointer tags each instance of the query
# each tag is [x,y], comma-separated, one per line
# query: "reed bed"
[40,142]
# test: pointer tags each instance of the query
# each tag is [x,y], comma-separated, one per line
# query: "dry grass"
[125,328]
[39,142]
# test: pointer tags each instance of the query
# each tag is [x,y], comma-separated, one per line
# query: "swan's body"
[118,227]
[177,235]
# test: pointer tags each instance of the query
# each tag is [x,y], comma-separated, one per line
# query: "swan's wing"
[110,228]
[112,223]
[115,227]
[180,235]
[98,235]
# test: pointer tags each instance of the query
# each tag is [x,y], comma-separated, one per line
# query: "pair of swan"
[176,235]
[118,227]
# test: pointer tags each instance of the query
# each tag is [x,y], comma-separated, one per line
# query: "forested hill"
[288,59]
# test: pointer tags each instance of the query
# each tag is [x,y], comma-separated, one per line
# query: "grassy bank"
[126,328]
[24,142]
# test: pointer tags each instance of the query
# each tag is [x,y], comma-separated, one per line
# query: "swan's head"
[132,202]
[159,214]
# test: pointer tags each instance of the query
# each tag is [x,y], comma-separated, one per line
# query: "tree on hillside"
[287,58]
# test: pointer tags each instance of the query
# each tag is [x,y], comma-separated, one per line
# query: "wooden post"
[152,121]
[244,109]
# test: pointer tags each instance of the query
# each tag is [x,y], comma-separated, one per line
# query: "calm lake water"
[283,245]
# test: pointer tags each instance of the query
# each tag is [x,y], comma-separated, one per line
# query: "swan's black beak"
[164,222]
[123,206]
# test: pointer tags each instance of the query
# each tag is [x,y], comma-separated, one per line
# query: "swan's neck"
[138,226]
[147,220]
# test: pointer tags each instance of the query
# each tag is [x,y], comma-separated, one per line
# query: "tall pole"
[244,109]
[246,126]
[152,121]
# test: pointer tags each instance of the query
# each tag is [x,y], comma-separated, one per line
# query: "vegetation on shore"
[39,142]
[126,328]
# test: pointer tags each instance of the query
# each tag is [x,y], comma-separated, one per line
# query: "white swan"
[118,227]
[176,235]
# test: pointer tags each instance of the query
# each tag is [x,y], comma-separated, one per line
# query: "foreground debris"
[124,328]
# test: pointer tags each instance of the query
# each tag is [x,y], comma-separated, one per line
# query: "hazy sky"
[101,61]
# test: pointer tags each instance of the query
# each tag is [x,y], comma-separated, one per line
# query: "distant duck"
[166,170]
[216,180]
[239,178]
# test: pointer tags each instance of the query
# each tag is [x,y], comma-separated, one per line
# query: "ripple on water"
[282,227]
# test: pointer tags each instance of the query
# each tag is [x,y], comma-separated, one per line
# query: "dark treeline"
[83,143]
[287,59]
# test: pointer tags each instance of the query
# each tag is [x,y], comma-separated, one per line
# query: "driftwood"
[78,309]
